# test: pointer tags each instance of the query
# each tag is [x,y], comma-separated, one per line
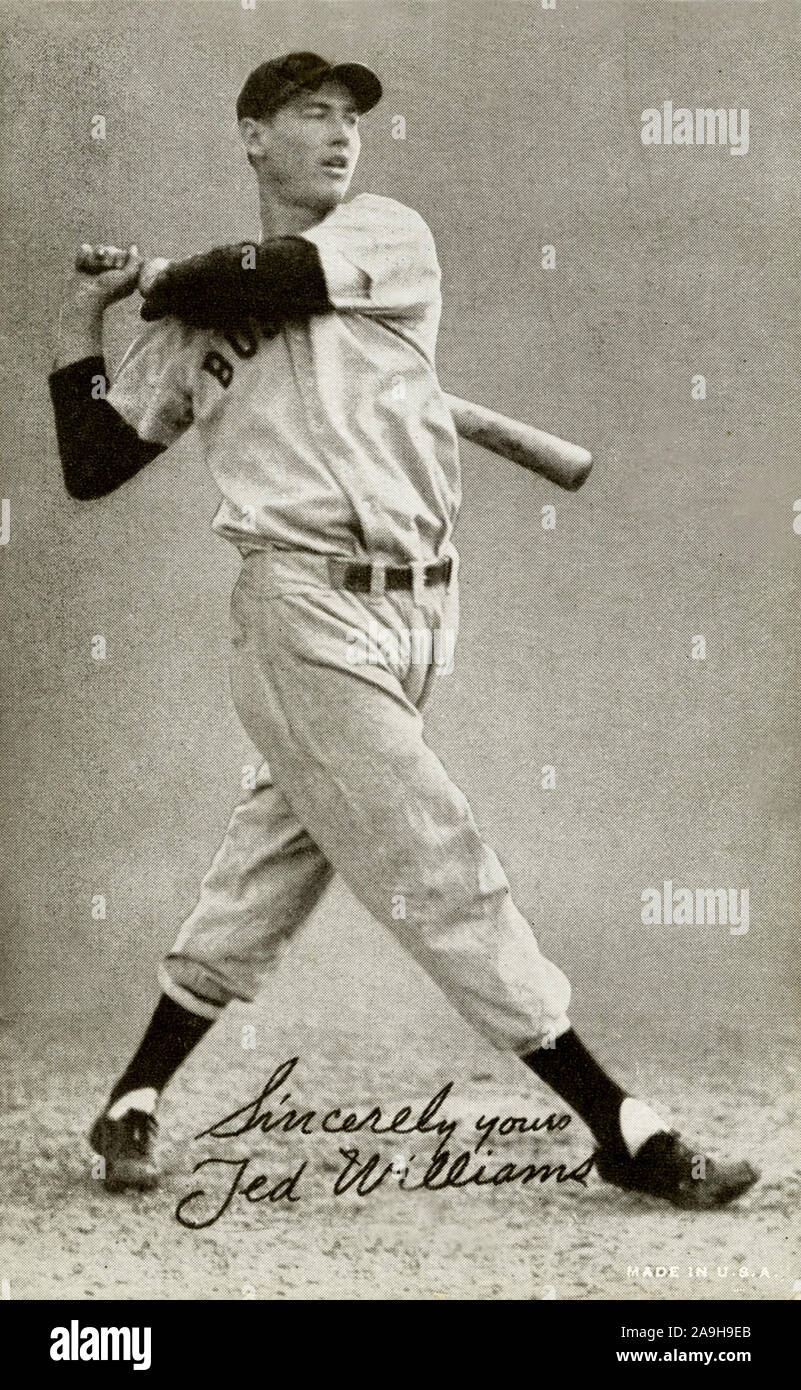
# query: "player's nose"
[341,132]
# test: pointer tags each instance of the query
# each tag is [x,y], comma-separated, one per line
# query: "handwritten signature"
[364,1174]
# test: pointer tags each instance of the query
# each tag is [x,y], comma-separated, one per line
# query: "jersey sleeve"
[378,257]
[152,389]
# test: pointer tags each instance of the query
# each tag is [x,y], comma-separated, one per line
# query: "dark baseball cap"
[277,80]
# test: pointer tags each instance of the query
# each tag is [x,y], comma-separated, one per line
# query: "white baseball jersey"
[332,434]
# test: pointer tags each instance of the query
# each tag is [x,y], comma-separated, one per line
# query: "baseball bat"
[563,463]
[566,464]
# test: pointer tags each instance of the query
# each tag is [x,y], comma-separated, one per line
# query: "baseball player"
[306,363]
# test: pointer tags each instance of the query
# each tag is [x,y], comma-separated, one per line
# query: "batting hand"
[105,274]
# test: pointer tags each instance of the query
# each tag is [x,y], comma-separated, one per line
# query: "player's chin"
[329,192]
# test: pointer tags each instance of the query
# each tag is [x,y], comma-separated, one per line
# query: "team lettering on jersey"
[244,341]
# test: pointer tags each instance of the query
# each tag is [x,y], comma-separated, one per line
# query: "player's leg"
[617,1120]
[347,748]
[263,884]
[345,744]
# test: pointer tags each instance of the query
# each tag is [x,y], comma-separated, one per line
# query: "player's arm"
[276,282]
[379,260]
[99,450]
[372,256]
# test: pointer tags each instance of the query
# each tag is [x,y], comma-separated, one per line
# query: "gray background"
[522,128]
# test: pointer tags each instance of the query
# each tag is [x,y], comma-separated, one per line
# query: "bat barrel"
[567,464]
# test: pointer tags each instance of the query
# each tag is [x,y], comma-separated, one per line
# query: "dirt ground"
[64,1236]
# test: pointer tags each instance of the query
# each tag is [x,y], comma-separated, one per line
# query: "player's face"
[308,150]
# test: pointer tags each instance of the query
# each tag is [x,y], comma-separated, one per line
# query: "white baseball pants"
[329,684]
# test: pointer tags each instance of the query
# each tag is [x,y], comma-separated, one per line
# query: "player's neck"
[279,218]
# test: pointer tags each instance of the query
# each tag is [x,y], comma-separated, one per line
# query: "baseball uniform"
[331,444]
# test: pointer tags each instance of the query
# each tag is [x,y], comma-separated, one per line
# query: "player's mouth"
[336,167]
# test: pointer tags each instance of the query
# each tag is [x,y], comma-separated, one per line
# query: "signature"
[365,1172]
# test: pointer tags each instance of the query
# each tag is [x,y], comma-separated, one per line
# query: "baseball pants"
[329,685]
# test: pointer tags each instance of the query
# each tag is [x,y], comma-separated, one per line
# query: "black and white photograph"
[400,539]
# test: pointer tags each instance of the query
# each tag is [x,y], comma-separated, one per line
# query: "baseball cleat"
[666,1167]
[127,1145]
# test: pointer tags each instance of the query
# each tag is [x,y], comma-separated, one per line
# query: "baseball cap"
[277,80]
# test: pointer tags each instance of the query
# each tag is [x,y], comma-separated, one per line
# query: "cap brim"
[361,81]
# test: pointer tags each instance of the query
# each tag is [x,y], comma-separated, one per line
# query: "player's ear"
[253,134]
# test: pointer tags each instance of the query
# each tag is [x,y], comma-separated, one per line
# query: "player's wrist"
[87,302]
[80,330]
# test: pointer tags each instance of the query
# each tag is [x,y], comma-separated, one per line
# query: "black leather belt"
[367,578]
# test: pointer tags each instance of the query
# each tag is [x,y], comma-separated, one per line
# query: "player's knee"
[458,890]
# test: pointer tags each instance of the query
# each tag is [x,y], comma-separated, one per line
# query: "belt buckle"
[378,578]
[418,569]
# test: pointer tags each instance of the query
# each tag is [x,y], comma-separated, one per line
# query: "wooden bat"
[566,464]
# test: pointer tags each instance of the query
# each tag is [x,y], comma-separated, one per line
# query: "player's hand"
[104,274]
